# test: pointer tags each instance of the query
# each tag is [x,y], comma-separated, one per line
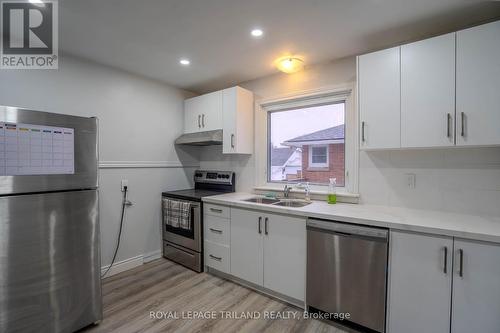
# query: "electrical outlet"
[411,180]
[123,184]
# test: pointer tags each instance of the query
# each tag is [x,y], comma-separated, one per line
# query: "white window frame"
[327,95]
[311,164]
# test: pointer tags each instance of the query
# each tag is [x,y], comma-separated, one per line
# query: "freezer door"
[25,155]
[49,262]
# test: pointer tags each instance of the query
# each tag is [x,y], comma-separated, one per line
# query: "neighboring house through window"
[318,156]
[310,137]
[323,154]
[307,144]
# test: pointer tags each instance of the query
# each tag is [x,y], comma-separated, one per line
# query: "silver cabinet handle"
[448,128]
[260,227]
[363,131]
[445,269]
[215,258]
[462,132]
[199,124]
[216,210]
[266,221]
[461,267]
[203,120]
[232,140]
[217,231]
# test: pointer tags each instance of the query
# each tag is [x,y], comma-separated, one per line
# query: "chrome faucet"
[286,191]
[307,190]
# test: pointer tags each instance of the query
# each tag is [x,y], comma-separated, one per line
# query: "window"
[318,157]
[306,144]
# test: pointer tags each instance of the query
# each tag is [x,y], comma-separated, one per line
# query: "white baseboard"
[147,257]
[125,265]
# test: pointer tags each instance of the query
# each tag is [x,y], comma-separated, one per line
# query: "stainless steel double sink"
[279,202]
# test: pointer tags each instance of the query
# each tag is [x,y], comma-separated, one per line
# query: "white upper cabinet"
[476,288]
[203,113]
[478,85]
[230,110]
[428,92]
[379,103]
[438,92]
[238,110]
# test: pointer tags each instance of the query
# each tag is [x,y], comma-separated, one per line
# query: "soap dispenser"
[332,191]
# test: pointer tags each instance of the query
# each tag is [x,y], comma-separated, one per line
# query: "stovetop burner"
[206,183]
[191,194]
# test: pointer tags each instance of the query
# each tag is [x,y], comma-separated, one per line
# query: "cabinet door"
[229,102]
[192,119]
[238,113]
[379,99]
[246,245]
[428,92]
[476,288]
[285,255]
[419,288]
[211,111]
[203,113]
[478,85]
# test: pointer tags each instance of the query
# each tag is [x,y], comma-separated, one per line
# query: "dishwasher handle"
[347,229]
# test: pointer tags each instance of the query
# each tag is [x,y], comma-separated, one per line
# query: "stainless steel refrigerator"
[49,222]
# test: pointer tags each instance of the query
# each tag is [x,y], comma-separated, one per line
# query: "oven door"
[188,238]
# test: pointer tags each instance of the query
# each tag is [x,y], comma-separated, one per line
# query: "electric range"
[185,246]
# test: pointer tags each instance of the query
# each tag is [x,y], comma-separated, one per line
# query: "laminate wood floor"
[168,290]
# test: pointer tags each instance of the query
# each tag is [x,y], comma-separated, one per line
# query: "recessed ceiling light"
[257,32]
[184,62]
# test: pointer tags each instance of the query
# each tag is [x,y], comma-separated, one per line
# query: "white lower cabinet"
[476,288]
[421,297]
[285,255]
[420,286]
[216,231]
[246,245]
[269,250]
[217,256]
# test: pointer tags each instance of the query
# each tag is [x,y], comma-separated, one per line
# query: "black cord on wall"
[124,204]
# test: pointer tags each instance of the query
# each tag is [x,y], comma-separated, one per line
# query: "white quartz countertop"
[484,228]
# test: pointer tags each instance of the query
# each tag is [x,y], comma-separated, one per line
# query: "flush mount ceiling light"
[290,64]
[184,62]
[257,32]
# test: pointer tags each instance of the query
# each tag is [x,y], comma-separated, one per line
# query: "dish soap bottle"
[332,191]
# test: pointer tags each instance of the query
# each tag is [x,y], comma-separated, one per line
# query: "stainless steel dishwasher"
[347,271]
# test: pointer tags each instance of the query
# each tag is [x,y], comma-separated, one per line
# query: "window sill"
[316,194]
[313,168]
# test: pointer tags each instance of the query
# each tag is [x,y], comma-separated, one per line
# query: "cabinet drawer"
[217,256]
[217,230]
[216,210]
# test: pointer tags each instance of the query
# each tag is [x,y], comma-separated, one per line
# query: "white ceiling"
[148,37]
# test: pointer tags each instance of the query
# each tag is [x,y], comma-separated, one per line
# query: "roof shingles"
[332,133]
